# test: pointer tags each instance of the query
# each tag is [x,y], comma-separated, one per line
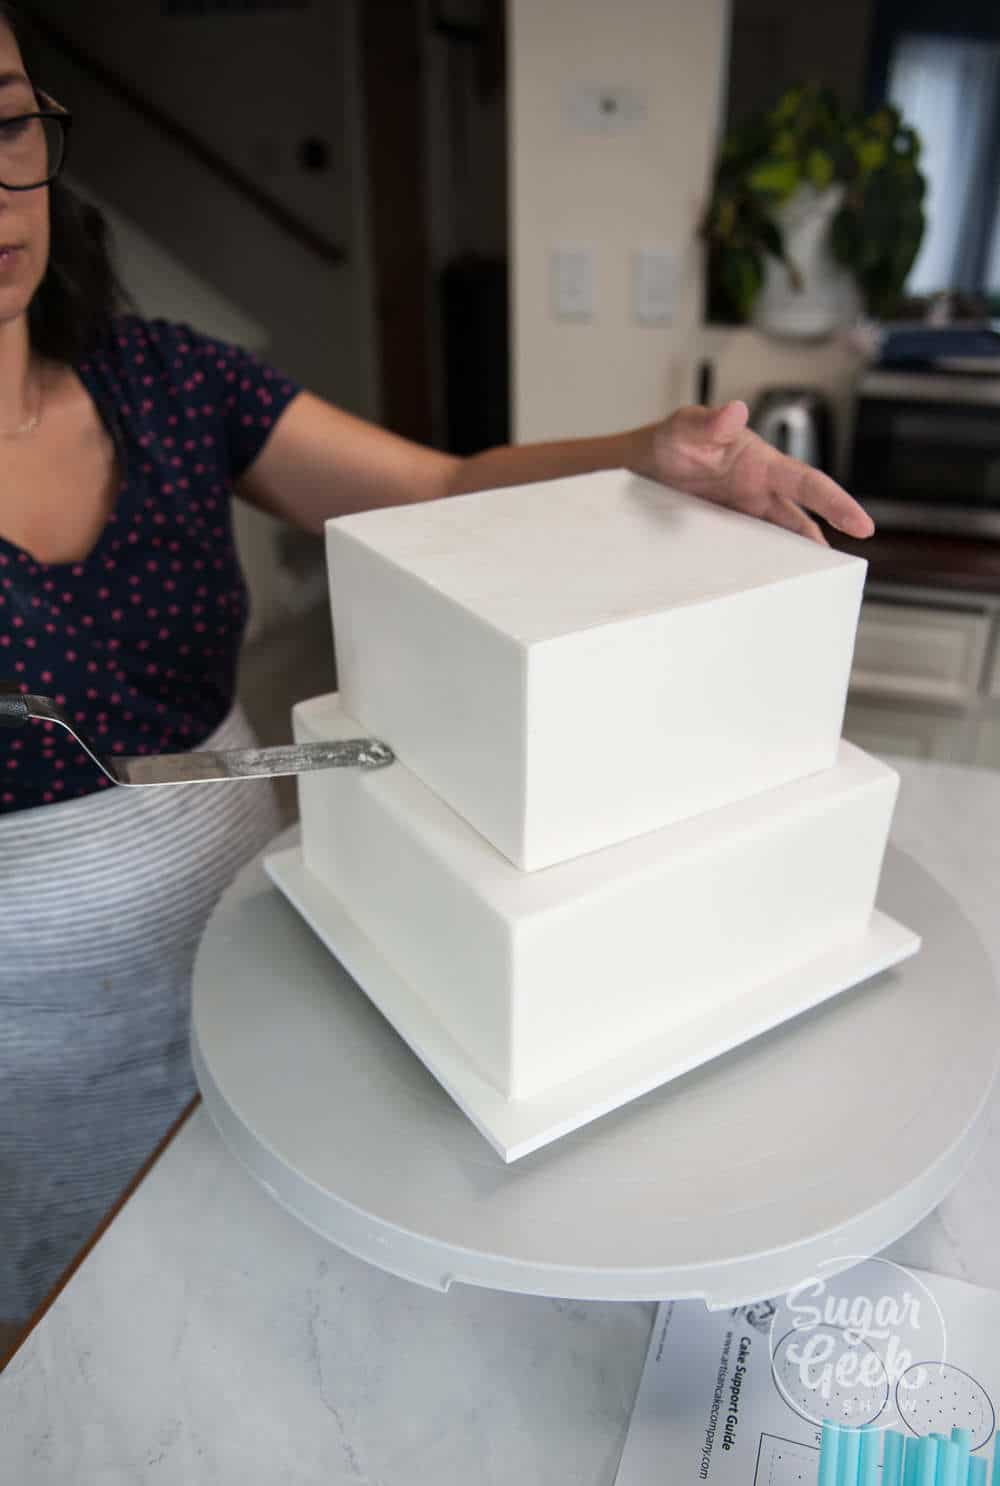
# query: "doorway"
[434,75]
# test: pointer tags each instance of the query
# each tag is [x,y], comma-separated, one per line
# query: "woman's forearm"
[523,464]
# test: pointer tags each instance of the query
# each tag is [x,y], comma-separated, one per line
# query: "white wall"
[615,191]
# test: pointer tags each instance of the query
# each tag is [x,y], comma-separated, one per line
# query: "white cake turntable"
[618,894]
[822,1141]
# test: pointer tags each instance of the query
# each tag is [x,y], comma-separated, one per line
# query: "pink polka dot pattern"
[139,642]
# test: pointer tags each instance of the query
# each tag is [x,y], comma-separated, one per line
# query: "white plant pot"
[829,297]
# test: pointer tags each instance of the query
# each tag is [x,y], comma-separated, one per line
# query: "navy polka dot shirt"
[139,642]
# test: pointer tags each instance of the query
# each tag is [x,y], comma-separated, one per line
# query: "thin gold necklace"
[29,425]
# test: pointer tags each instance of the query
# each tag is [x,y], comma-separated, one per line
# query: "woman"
[121,443]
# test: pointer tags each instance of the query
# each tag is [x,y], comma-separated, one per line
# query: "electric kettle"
[797,421]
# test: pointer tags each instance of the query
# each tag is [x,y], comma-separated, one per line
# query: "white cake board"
[820,1142]
[515,1128]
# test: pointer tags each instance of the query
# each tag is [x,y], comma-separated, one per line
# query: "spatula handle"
[13,707]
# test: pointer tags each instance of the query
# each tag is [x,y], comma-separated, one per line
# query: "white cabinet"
[925,682]
[881,727]
[994,685]
[928,654]
[988,743]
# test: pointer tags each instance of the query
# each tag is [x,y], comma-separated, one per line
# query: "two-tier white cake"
[623,834]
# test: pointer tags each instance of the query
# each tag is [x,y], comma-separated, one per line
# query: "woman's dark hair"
[76,300]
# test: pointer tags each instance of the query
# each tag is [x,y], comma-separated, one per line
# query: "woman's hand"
[710,452]
[321,461]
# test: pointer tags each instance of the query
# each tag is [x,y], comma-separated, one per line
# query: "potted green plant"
[815,213]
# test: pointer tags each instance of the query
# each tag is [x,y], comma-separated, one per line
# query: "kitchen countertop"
[209,1337]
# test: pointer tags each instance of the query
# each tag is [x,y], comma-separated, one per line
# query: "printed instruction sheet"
[737,1396]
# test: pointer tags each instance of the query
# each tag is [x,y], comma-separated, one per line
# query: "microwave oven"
[925,450]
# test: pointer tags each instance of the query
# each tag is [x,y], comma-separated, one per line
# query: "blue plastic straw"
[892,1458]
[850,1457]
[871,1444]
[847,1458]
[963,1439]
[829,1450]
[910,1449]
[949,1456]
[926,1468]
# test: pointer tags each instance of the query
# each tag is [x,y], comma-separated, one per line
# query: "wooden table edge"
[99,1231]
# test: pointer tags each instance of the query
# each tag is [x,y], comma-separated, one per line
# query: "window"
[948,88]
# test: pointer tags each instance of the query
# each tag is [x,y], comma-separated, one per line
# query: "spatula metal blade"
[212,765]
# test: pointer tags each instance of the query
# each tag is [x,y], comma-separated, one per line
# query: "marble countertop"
[210,1338]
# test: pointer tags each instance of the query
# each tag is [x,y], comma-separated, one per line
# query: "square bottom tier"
[542,999]
[516,1127]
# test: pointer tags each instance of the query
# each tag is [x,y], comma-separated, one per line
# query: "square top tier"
[578,661]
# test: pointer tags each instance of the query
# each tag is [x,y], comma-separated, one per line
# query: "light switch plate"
[573,281]
[655,285]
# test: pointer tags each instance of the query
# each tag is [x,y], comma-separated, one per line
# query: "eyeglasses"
[33,146]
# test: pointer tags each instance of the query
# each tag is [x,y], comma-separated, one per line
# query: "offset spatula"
[16,708]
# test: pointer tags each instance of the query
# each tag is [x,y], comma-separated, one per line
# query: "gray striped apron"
[102,903]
